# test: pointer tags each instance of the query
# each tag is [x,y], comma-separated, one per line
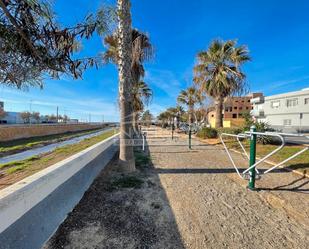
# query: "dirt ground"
[188,199]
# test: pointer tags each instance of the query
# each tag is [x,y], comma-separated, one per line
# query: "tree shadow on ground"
[299,166]
[121,211]
[208,170]
[294,186]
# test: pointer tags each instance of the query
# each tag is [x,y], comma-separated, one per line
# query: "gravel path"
[190,199]
[213,208]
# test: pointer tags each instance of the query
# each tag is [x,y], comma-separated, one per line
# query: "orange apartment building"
[233,109]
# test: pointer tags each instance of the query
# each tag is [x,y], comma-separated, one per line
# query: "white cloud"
[165,80]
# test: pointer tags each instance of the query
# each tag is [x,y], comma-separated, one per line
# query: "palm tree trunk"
[135,120]
[191,111]
[126,156]
[218,110]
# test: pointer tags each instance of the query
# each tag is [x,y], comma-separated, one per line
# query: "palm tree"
[141,96]
[190,98]
[141,50]
[218,72]
[179,112]
[124,61]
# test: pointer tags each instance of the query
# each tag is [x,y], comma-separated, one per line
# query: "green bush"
[207,133]
[230,130]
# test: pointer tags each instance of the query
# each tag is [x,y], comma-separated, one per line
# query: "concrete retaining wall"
[8,132]
[32,209]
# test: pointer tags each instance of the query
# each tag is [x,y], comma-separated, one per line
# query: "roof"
[289,94]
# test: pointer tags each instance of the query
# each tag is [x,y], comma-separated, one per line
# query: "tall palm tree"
[218,72]
[190,98]
[141,96]
[124,61]
[141,50]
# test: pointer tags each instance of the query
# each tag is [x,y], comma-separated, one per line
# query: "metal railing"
[252,134]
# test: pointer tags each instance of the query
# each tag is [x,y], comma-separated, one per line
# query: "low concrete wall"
[8,132]
[32,209]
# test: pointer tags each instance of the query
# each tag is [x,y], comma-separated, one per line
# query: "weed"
[127,182]
[141,160]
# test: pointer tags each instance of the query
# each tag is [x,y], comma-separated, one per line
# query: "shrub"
[230,130]
[207,133]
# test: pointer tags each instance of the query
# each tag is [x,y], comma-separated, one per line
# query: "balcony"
[257,113]
[257,100]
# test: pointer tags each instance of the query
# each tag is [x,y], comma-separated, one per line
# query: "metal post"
[173,128]
[190,137]
[143,135]
[252,158]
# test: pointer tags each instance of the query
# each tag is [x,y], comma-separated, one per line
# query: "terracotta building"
[233,109]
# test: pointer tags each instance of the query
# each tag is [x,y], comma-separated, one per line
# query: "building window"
[287,122]
[234,115]
[235,107]
[275,104]
[240,108]
[291,102]
[306,101]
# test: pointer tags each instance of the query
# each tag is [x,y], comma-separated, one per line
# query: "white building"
[12,118]
[287,112]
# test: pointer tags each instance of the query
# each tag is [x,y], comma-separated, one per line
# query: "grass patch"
[37,163]
[28,143]
[141,160]
[127,182]
[18,165]
[300,163]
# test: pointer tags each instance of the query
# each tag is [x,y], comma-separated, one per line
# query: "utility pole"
[89,118]
[57,114]
[30,111]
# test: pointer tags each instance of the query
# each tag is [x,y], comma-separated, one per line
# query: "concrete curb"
[32,209]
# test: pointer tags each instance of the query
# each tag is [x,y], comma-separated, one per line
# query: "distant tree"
[190,97]
[51,118]
[200,115]
[218,72]
[25,116]
[147,118]
[141,96]
[166,117]
[176,113]
[34,45]
[36,116]
[163,118]
[65,118]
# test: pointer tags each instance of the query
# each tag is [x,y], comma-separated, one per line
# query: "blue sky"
[276,32]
